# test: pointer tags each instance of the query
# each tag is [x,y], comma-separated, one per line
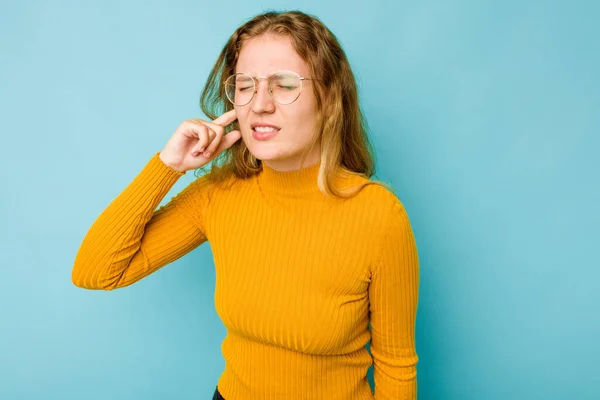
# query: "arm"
[393,297]
[130,240]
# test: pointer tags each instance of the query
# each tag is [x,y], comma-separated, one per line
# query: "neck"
[296,182]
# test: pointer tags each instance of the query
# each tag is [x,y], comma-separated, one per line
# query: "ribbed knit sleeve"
[393,297]
[131,239]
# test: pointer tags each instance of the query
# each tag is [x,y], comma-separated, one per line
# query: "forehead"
[265,54]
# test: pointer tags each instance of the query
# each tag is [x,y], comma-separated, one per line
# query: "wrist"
[171,165]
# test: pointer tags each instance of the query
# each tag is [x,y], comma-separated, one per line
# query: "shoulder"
[376,194]
[378,202]
[396,242]
[394,216]
[391,217]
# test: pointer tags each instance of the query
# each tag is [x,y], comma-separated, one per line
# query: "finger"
[214,143]
[206,139]
[218,129]
[226,118]
[192,128]
[199,131]
[228,141]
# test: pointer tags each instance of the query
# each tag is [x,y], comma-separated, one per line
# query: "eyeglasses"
[284,87]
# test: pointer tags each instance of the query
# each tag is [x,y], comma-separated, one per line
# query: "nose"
[262,101]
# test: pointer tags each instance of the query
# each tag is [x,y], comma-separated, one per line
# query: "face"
[295,122]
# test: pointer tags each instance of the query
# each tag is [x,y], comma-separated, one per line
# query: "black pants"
[217,395]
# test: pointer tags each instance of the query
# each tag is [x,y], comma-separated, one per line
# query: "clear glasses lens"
[239,89]
[284,87]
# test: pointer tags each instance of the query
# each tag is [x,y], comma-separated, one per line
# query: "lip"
[254,125]
[264,135]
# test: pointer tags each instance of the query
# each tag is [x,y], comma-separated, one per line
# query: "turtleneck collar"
[290,183]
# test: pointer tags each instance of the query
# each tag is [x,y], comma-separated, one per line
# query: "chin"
[263,151]
[265,155]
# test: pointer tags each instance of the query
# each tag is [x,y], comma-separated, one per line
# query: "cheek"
[305,115]
[308,107]
[304,110]
[240,113]
[242,118]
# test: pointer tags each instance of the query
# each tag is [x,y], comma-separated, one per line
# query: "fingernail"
[207,154]
[195,153]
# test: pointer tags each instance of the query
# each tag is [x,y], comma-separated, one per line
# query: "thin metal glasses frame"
[254,82]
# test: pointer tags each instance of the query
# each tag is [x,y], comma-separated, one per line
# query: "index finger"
[226,118]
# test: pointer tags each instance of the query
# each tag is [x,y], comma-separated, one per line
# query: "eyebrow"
[273,72]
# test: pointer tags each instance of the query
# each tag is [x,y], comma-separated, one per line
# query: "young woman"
[313,258]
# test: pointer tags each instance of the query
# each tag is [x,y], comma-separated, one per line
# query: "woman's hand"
[196,142]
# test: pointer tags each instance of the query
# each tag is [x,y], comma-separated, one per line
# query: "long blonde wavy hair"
[341,126]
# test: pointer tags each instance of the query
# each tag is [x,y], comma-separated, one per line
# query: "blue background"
[485,119]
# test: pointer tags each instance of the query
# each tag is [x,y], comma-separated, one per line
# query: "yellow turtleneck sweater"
[299,277]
